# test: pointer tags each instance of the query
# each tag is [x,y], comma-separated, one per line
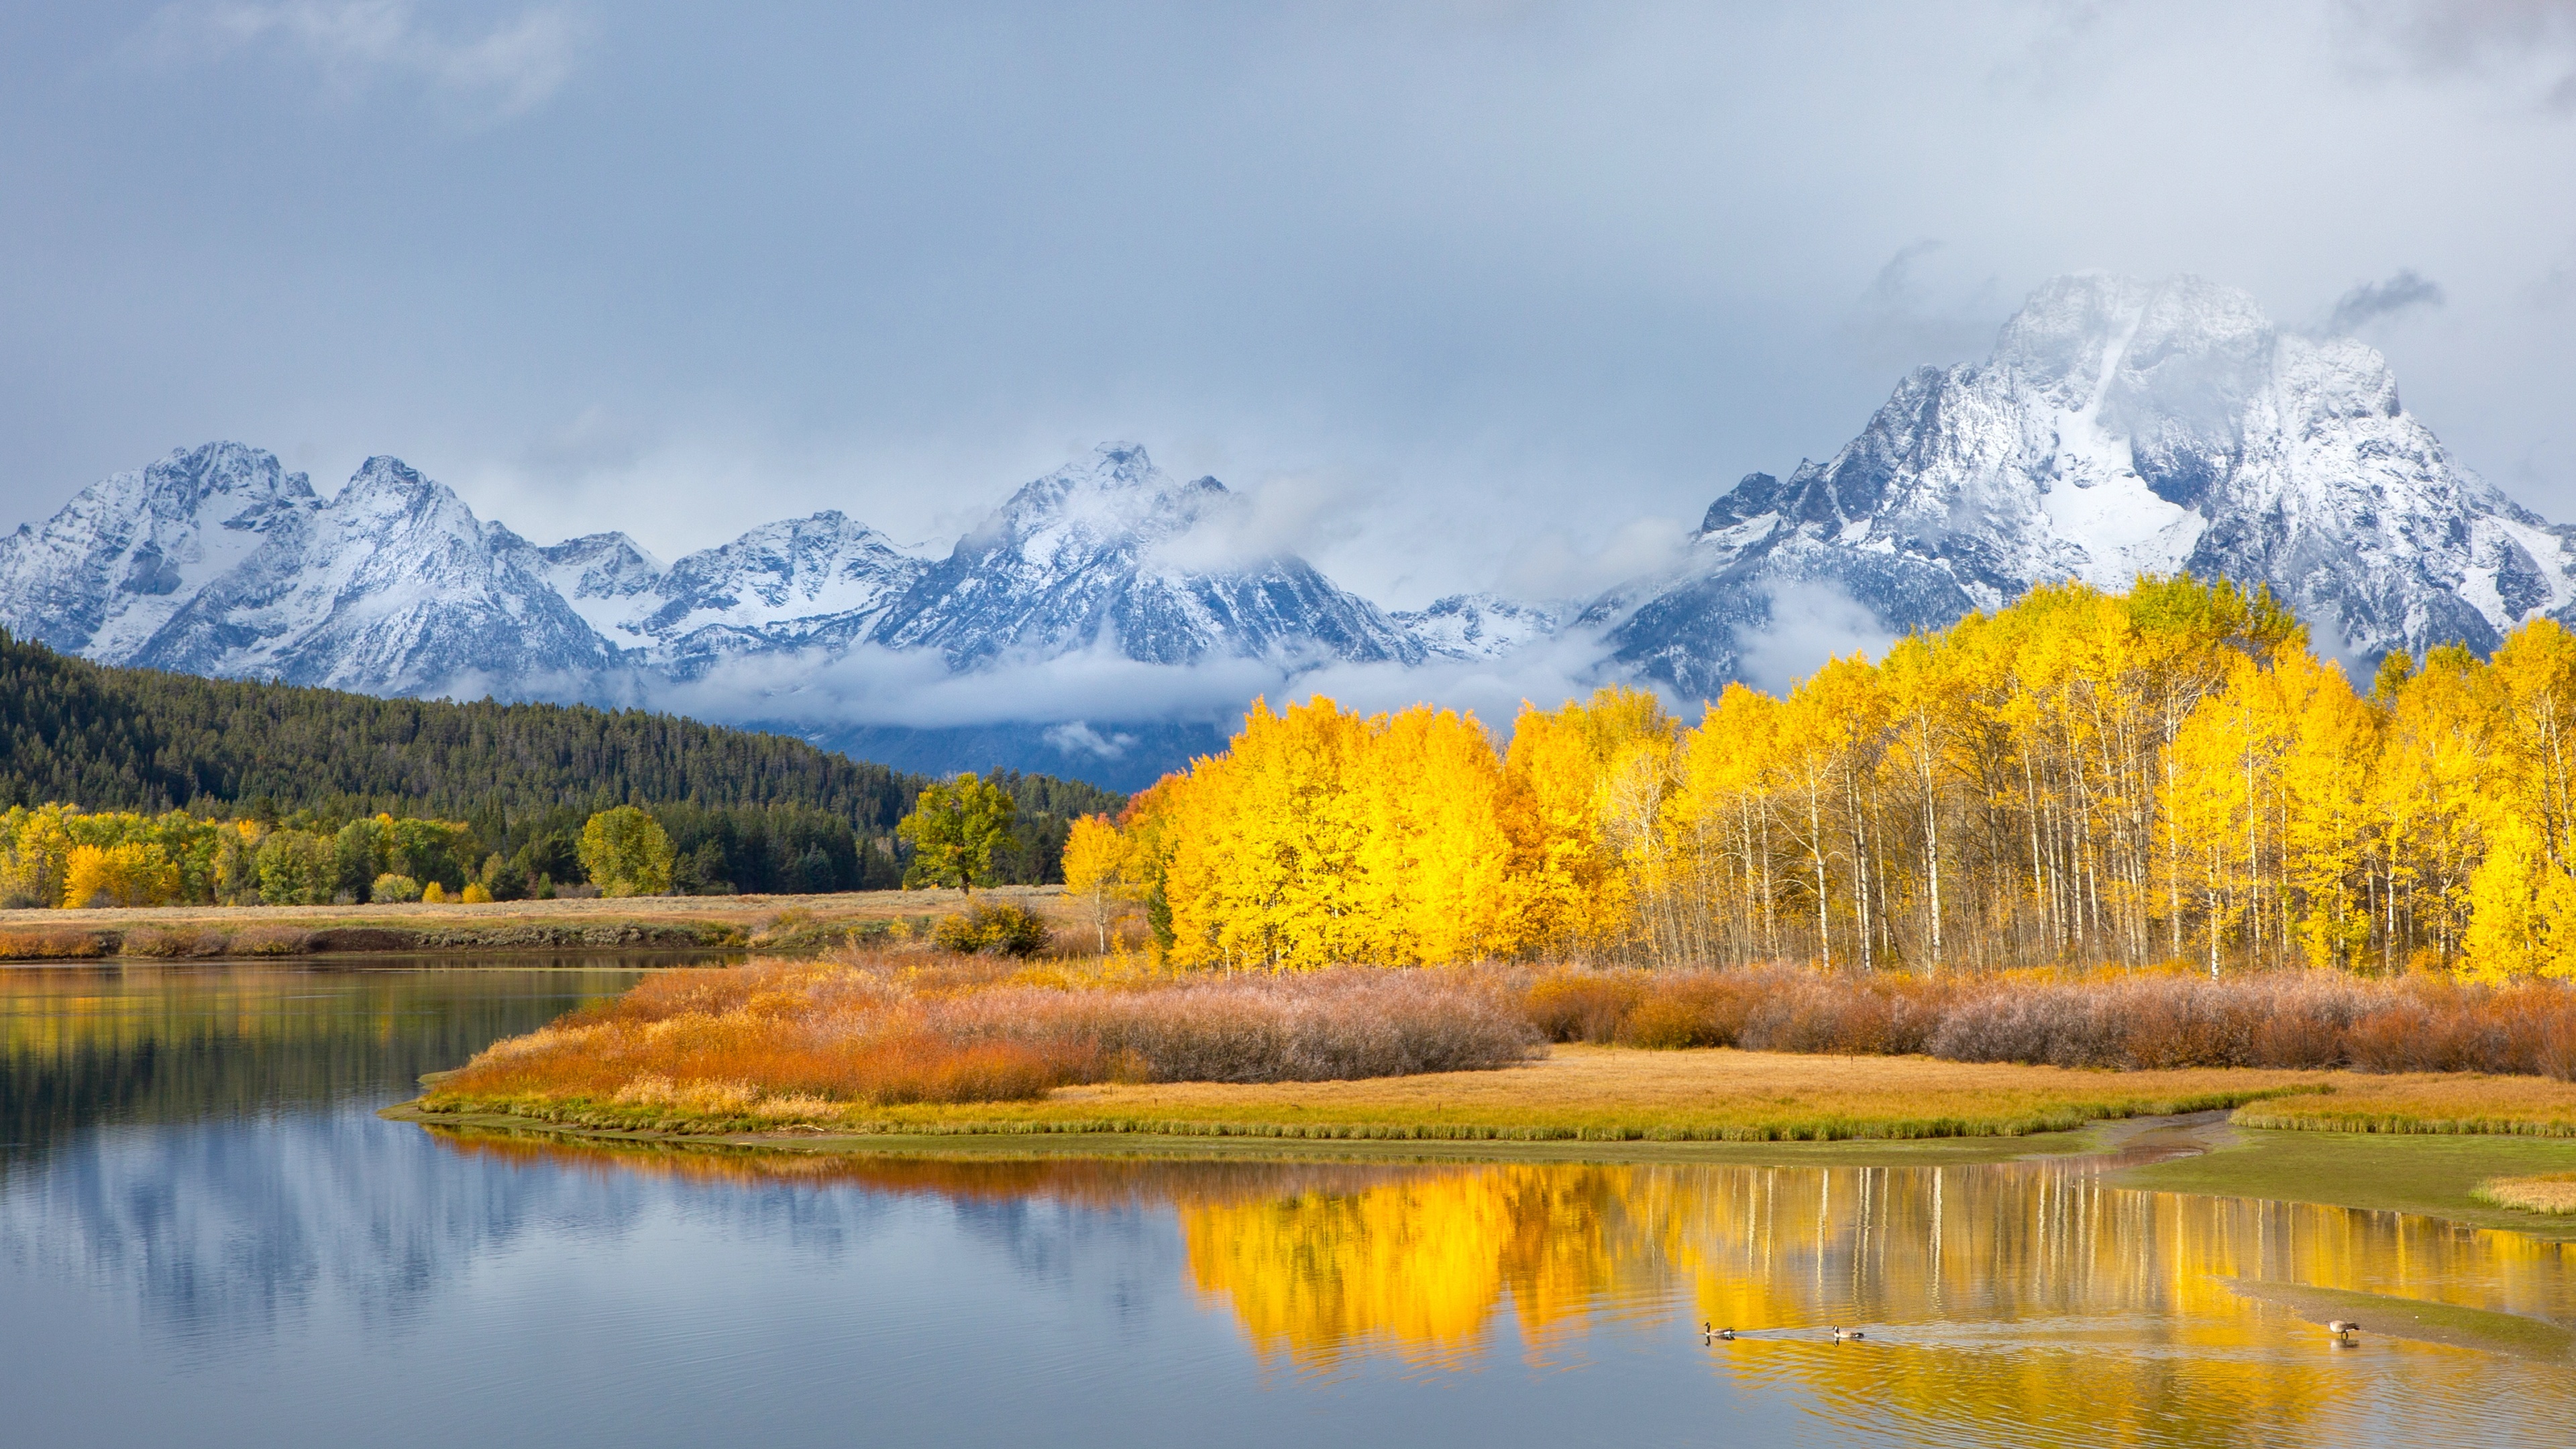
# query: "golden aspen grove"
[2081,779]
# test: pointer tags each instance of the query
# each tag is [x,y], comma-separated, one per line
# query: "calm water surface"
[207,1238]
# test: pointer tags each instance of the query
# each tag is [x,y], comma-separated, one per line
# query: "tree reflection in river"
[84,1045]
[2026,1293]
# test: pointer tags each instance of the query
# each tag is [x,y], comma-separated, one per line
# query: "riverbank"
[1577,1092]
[1585,1093]
[1608,1103]
[782,925]
[2205,1154]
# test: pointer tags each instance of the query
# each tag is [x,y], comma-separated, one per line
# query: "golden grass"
[2428,1102]
[778,925]
[1580,1092]
[2551,1192]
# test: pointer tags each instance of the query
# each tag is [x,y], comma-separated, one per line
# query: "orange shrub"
[1582,1005]
[723,1041]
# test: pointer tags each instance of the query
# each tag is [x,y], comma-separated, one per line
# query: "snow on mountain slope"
[824,580]
[394,586]
[2119,427]
[605,577]
[1476,626]
[216,561]
[1104,553]
[107,572]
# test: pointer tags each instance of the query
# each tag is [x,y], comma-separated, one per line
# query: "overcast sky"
[1478,294]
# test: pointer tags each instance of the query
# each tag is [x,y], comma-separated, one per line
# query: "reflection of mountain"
[81,1046]
[230,1227]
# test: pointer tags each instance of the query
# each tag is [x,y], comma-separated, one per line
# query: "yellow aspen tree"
[2325,788]
[1095,870]
[1574,889]
[1722,804]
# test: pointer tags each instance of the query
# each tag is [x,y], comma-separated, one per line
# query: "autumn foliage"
[796,1041]
[2081,779]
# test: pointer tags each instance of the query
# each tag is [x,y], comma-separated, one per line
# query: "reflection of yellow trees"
[2033,1293]
[1419,1264]
[2005,1302]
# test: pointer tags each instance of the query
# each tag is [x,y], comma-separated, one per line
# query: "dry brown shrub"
[1849,1016]
[1692,1009]
[270,941]
[1334,1025]
[2297,1040]
[53,945]
[2395,1038]
[896,1026]
[174,942]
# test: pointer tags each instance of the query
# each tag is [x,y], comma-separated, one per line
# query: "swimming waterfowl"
[1841,1334]
[1708,1332]
[2342,1330]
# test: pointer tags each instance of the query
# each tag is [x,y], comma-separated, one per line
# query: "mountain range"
[2119,426]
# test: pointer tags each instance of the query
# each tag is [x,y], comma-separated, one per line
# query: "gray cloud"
[2369,302]
[1810,622]
[2527,44]
[1485,290]
[1289,516]
[1558,567]
[1910,316]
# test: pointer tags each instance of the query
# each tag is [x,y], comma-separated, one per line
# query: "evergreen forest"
[746,811]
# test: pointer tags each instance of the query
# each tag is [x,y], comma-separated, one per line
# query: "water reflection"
[84,1045]
[2029,1295]
[206,1234]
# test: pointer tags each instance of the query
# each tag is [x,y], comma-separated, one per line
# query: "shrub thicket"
[2146,1021]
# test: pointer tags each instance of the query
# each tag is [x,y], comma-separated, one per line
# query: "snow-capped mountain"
[1113,551]
[798,583]
[217,561]
[2119,427]
[1477,626]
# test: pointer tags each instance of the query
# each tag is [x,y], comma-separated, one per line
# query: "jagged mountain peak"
[1083,558]
[2121,426]
[1113,498]
[1477,626]
[127,552]
[825,576]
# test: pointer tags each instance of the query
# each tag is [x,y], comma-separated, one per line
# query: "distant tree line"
[745,811]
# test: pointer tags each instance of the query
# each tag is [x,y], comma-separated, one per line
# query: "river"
[208,1238]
